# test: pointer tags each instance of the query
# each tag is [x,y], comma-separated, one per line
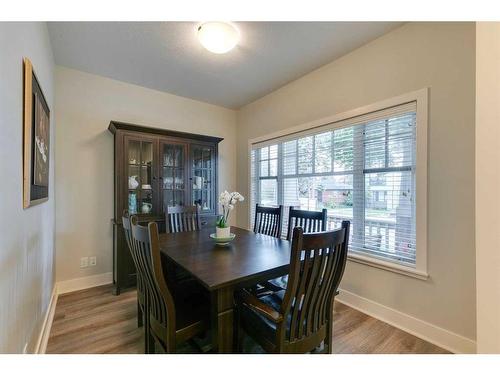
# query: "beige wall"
[26,236]
[487,183]
[85,104]
[440,56]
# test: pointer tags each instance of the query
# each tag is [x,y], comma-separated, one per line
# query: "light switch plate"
[93,261]
[84,262]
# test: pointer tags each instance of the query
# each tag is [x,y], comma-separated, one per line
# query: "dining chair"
[178,312]
[300,318]
[141,292]
[183,219]
[309,221]
[268,220]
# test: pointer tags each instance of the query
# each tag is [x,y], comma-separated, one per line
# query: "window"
[362,169]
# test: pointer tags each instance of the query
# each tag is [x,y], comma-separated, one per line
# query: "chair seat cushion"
[280,282]
[256,322]
[271,286]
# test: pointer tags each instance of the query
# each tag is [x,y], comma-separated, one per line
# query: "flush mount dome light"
[218,37]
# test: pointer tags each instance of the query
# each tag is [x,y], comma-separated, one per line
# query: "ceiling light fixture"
[218,37]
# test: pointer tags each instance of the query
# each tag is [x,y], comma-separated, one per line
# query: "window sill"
[388,266]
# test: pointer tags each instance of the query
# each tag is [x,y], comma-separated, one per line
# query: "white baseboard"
[426,331]
[43,337]
[73,285]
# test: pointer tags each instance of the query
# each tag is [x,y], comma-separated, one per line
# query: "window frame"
[421,99]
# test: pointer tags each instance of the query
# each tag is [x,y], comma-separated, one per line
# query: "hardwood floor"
[95,321]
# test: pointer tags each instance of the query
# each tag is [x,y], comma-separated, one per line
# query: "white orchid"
[228,201]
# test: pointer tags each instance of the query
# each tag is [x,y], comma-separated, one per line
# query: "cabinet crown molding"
[114,126]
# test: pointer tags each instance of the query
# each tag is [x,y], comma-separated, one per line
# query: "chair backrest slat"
[310,292]
[268,220]
[316,268]
[183,219]
[311,323]
[309,221]
[324,290]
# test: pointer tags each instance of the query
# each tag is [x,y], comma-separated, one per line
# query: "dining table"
[247,260]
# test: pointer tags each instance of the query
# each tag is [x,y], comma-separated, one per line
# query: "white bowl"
[219,241]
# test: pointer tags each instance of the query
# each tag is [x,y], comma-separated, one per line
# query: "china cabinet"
[153,169]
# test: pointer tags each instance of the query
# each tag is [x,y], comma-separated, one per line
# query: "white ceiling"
[166,56]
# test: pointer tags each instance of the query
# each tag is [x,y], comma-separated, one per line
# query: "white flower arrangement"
[227,201]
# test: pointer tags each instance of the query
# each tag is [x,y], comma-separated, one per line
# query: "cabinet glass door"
[140,177]
[172,175]
[202,177]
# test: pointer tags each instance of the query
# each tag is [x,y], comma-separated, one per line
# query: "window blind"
[360,169]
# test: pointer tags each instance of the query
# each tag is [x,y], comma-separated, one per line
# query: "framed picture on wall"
[36,148]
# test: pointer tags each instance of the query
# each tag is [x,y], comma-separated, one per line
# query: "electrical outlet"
[93,261]
[84,262]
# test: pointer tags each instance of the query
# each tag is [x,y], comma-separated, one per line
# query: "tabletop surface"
[249,257]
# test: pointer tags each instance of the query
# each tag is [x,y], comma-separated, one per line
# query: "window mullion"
[358,185]
[313,159]
[332,150]
[257,176]
[386,143]
[297,157]
[280,174]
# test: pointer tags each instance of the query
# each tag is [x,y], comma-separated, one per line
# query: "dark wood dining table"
[249,259]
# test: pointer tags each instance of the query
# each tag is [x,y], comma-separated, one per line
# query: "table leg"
[222,319]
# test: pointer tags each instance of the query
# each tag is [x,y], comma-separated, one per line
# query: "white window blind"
[361,169]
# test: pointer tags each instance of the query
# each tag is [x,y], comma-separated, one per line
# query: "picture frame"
[36,134]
